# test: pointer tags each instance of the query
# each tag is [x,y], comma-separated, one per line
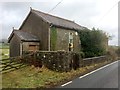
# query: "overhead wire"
[55,6]
[107,13]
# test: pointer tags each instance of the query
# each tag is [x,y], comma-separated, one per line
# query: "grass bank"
[31,77]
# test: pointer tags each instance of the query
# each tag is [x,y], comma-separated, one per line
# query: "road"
[104,77]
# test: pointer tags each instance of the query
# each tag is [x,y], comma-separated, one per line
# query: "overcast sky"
[102,14]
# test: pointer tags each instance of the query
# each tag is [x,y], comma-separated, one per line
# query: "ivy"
[53,38]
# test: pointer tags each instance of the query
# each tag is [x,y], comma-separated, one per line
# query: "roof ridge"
[53,15]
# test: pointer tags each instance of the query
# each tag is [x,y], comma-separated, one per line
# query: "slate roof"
[57,21]
[24,36]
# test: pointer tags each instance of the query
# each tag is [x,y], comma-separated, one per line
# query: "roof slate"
[57,21]
[25,36]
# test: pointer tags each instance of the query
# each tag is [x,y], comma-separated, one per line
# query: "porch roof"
[24,36]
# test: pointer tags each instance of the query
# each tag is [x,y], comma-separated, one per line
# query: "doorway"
[33,48]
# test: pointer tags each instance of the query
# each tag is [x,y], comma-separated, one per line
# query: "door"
[33,48]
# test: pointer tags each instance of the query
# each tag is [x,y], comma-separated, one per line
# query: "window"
[70,41]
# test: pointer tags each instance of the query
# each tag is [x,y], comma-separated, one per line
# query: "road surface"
[104,77]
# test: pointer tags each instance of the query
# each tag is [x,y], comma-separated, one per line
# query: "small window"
[70,36]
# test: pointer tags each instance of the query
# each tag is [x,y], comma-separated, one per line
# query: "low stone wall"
[54,60]
[60,60]
[94,60]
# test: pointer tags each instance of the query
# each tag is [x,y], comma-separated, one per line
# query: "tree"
[93,42]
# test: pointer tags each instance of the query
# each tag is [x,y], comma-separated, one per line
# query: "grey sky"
[102,14]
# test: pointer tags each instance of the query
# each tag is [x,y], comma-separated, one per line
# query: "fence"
[10,64]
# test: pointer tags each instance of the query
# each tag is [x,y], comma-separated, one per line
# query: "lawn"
[31,77]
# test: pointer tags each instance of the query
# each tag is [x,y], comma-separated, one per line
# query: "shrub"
[93,42]
[118,51]
[82,54]
[111,53]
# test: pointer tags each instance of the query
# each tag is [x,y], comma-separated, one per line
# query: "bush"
[93,42]
[118,51]
[111,53]
[82,54]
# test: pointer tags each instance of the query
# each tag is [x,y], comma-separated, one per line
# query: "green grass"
[4,46]
[4,50]
[31,77]
[4,53]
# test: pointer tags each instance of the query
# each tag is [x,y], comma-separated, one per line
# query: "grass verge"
[31,77]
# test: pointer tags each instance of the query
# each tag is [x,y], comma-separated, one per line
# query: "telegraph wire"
[107,12]
[55,6]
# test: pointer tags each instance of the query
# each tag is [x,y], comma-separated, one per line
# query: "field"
[4,51]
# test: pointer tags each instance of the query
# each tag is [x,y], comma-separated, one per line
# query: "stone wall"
[60,61]
[54,60]
[94,60]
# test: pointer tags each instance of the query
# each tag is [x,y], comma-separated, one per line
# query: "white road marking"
[66,83]
[97,70]
[90,73]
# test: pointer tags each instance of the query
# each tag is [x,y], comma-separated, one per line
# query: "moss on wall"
[53,38]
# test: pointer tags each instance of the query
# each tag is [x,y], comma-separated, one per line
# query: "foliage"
[82,54]
[118,51]
[112,55]
[93,42]
[53,36]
